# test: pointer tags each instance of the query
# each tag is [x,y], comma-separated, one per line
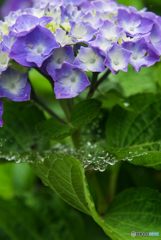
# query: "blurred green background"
[28,210]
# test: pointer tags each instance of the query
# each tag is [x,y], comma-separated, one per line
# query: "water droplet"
[126,104]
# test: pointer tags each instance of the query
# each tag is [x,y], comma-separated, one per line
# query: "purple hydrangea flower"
[117,58]
[82,32]
[111,16]
[56,60]
[132,23]
[4,60]
[110,31]
[70,81]
[12,16]
[67,12]
[104,6]
[102,43]
[26,23]
[89,59]
[62,38]
[7,43]
[34,48]
[155,37]
[94,20]
[1,113]
[142,54]
[13,5]
[14,85]
[75,2]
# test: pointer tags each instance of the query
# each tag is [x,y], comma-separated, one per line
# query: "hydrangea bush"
[75,45]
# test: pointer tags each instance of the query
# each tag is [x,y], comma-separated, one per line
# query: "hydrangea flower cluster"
[65,39]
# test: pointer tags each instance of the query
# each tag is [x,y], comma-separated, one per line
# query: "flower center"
[131,29]
[116,62]
[72,79]
[39,50]
[3,61]
[12,85]
[92,60]
[134,56]
[60,60]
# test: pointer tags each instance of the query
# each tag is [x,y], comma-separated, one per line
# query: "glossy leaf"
[136,209]
[65,175]
[82,113]
[18,136]
[139,129]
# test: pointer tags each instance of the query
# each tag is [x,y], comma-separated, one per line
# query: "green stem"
[76,138]
[67,106]
[35,98]
[93,84]
[101,201]
[67,111]
[105,75]
[113,182]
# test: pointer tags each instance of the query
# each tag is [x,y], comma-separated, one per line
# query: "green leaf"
[26,218]
[113,98]
[13,64]
[82,113]
[65,175]
[132,210]
[138,210]
[134,128]
[136,82]
[85,111]
[18,137]
[53,129]
[6,189]
[135,155]
[139,129]
[17,221]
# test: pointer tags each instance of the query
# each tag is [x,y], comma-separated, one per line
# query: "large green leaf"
[133,210]
[137,209]
[142,126]
[112,98]
[135,155]
[82,113]
[18,137]
[65,175]
[139,129]
[27,217]
[136,82]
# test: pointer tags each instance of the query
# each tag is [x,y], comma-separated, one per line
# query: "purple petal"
[117,59]
[25,23]
[102,43]
[81,31]
[56,60]
[110,31]
[133,23]
[142,54]
[34,48]
[89,59]
[70,81]
[13,5]
[14,85]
